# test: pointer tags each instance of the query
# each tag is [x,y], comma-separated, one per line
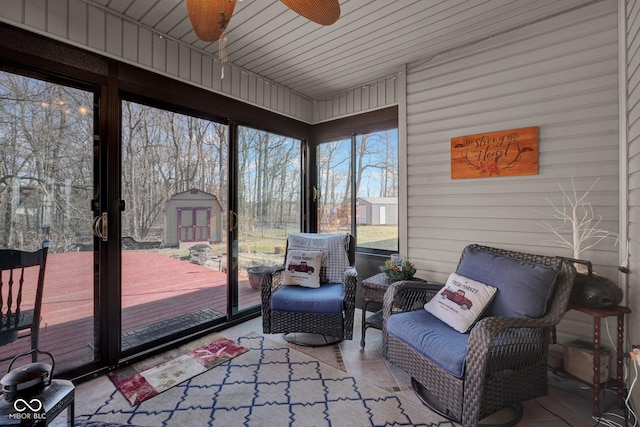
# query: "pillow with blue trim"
[302,268]
[460,302]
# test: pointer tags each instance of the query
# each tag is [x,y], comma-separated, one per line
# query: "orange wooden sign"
[505,153]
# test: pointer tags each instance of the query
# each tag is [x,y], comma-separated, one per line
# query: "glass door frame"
[234,207]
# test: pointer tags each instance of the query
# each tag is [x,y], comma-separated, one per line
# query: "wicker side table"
[373,290]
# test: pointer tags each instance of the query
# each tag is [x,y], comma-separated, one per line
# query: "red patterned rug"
[152,376]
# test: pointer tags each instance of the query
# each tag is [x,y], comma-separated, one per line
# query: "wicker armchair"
[505,362]
[307,314]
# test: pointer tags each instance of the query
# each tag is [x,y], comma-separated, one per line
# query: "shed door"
[194,224]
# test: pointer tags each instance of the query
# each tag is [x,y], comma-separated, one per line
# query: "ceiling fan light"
[210,18]
[324,12]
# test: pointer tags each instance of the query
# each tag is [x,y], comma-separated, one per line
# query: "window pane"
[334,185]
[174,170]
[269,204]
[47,164]
[377,190]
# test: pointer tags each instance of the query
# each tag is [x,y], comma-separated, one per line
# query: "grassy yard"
[274,240]
[267,246]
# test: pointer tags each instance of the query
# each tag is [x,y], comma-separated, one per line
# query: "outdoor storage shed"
[377,210]
[192,216]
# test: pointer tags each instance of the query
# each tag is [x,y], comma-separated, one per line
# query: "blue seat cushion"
[525,289]
[432,338]
[327,299]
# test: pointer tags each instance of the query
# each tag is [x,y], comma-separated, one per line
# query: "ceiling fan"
[210,18]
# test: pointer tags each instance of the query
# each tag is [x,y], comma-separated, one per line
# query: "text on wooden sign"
[504,153]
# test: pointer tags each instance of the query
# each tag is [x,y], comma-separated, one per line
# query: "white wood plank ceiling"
[371,40]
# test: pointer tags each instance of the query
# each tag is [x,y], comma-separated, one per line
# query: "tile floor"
[569,403]
[569,399]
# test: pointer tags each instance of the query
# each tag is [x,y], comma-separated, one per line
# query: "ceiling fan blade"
[323,12]
[209,18]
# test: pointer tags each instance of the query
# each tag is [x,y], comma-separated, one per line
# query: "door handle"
[233,220]
[101,227]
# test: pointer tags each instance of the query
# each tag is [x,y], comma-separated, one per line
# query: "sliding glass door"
[269,188]
[174,240]
[148,241]
[48,191]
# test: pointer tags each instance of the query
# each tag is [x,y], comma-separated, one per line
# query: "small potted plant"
[398,268]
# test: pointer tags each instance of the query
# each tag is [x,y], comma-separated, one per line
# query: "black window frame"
[350,127]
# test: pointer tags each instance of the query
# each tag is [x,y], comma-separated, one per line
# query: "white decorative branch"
[576,212]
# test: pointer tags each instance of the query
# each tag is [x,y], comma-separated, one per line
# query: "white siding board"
[207,72]
[260,84]
[252,89]
[216,83]
[350,102]
[390,96]
[130,50]
[225,83]
[235,82]
[13,10]
[244,85]
[281,100]
[78,12]
[35,14]
[114,35]
[366,98]
[96,21]
[57,15]
[184,61]
[373,96]
[196,68]
[632,291]
[560,75]
[145,47]
[172,61]
[159,54]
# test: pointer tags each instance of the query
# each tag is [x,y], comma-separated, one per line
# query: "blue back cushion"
[432,338]
[524,288]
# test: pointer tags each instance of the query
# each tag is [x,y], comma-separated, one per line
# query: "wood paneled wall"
[561,75]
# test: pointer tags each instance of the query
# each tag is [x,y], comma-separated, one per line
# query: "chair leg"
[35,336]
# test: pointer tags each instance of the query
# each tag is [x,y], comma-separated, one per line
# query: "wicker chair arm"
[504,344]
[408,295]
[350,283]
[350,272]
[271,281]
[491,331]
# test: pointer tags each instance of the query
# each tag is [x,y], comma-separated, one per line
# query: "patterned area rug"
[270,385]
[150,377]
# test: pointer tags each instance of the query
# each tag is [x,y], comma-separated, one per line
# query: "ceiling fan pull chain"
[222,53]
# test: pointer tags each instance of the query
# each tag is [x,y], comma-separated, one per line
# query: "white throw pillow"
[460,302]
[334,247]
[302,268]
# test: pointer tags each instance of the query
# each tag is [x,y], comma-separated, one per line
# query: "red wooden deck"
[155,287]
